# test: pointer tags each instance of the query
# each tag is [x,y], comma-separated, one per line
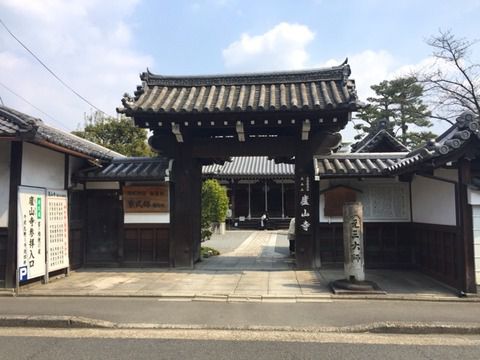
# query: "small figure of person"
[229,216]
[263,221]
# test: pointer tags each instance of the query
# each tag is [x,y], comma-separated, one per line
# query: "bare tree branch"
[456,90]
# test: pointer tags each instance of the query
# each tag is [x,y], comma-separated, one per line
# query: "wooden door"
[103,223]
[77,232]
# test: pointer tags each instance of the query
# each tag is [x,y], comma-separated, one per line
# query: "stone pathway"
[253,270]
[257,252]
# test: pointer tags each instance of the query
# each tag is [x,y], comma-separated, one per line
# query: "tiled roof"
[300,90]
[374,139]
[372,142]
[356,164]
[440,150]
[128,169]
[249,166]
[25,127]
[14,124]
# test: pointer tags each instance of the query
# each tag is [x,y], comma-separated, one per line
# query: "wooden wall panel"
[432,249]
[437,252]
[146,244]
[386,244]
[3,254]
[77,233]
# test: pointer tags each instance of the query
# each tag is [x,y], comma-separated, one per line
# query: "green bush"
[206,251]
[214,206]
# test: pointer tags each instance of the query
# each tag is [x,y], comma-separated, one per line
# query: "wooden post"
[306,208]
[283,200]
[249,201]
[265,189]
[233,198]
[354,262]
[467,260]
[186,209]
[15,181]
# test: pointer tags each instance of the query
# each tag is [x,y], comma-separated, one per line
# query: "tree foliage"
[119,135]
[453,82]
[399,102]
[214,205]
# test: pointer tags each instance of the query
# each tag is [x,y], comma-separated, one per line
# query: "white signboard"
[57,230]
[385,201]
[31,233]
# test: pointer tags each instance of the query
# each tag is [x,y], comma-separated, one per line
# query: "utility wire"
[29,103]
[51,71]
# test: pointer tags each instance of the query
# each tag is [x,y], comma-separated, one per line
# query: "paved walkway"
[254,269]
[258,269]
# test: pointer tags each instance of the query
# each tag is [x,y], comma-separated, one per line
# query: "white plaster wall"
[433,201]
[147,218]
[476,240]
[375,193]
[42,167]
[4,181]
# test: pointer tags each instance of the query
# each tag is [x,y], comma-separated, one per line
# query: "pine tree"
[399,102]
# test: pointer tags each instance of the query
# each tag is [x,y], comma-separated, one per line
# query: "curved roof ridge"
[339,72]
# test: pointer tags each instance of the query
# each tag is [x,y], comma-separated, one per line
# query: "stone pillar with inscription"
[354,255]
[354,260]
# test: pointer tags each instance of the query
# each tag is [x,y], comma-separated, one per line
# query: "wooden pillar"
[186,209]
[265,189]
[233,195]
[306,208]
[249,201]
[15,181]
[467,260]
[283,201]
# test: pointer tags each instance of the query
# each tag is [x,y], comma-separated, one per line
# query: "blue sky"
[100,46]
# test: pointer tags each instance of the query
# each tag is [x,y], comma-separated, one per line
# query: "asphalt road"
[50,344]
[332,313]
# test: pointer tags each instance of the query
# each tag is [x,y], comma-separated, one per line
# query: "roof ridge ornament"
[339,72]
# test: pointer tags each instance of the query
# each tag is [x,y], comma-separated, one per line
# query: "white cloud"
[88,43]
[282,47]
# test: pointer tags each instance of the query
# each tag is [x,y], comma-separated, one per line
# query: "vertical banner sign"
[57,230]
[31,233]
[305,221]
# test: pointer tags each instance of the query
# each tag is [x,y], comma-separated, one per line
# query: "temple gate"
[201,120]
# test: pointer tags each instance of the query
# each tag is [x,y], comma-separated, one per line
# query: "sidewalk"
[256,269]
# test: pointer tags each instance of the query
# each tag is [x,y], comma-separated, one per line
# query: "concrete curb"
[77,322]
[251,297]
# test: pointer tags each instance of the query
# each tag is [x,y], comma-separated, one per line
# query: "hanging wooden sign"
[145,199]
